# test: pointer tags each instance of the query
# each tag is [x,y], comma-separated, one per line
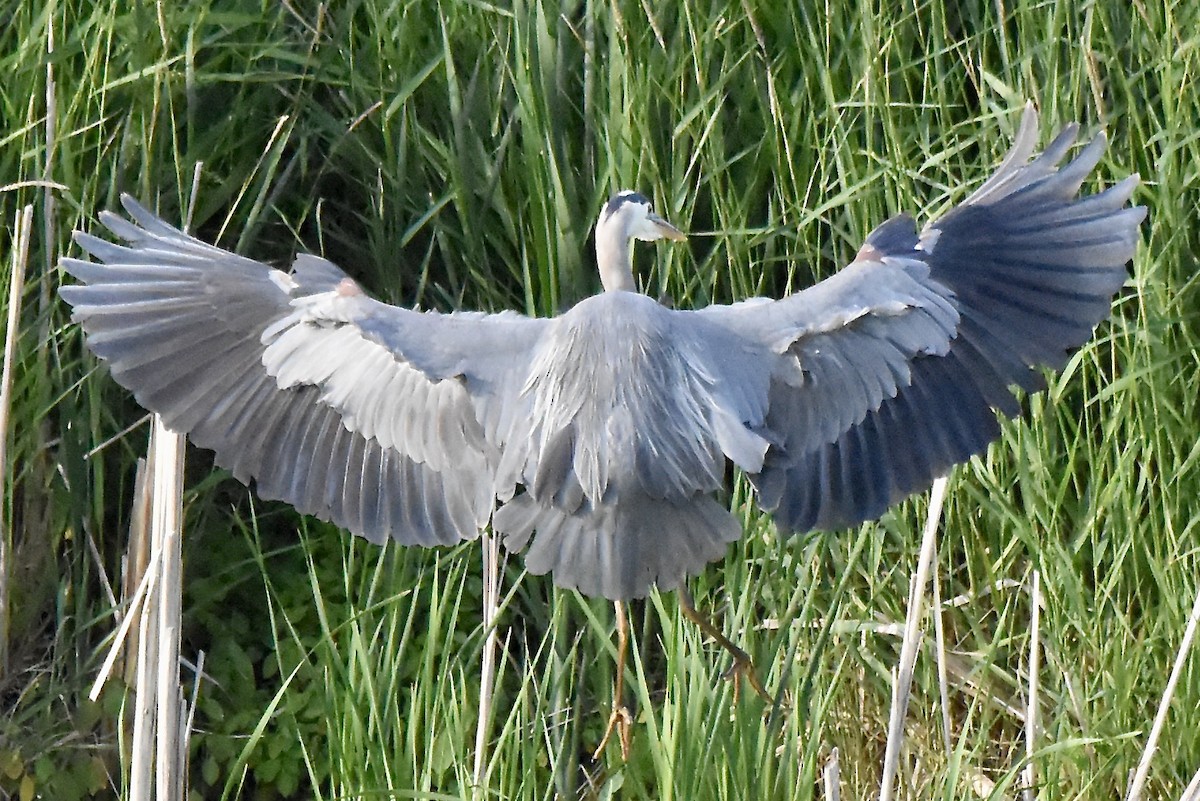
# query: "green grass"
[454,155]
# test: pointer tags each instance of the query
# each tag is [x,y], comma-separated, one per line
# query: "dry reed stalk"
[141,757]
[1160,719]
[902,678]
[15,290]
[166,526]
[1192,791]
[942,668]
[137,562]
[1029,776]
[491,606]
[831,780]
[144,610]
[156,767]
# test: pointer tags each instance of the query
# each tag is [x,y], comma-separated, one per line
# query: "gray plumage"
[595,440]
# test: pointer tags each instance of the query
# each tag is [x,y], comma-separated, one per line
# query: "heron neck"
[614,261]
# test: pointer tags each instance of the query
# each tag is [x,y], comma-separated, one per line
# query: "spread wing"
[605,431]
[371,416]
[884,397]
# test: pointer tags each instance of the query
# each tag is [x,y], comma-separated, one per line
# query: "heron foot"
[742,667]
[621,719]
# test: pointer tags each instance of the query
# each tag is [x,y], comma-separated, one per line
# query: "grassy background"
[454,155]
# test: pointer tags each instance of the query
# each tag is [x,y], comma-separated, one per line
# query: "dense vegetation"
[454,155]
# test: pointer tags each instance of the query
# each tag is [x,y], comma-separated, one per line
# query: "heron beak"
[668,231]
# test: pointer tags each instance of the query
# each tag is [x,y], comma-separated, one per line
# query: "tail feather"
[618,550]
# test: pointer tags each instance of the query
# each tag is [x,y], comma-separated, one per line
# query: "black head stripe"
[621,198]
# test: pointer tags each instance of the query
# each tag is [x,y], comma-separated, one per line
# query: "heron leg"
[742,664]
[621,719]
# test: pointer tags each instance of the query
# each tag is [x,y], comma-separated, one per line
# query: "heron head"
[626,216]
[629,215]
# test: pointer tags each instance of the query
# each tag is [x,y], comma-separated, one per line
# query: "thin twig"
[146,581]
[115,437]
[101,570]
[190,721]
[902,685]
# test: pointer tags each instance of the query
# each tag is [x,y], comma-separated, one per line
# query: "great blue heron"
[595,440]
